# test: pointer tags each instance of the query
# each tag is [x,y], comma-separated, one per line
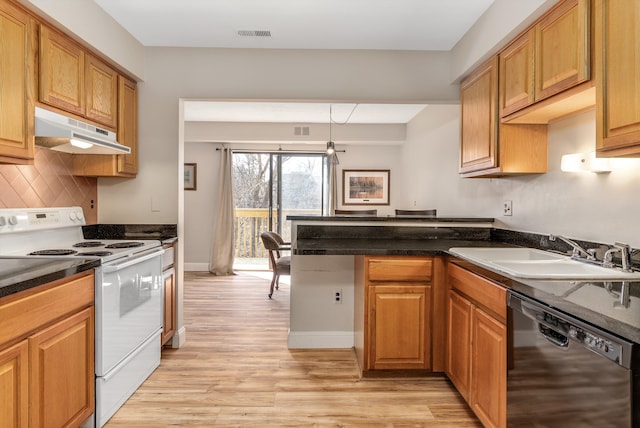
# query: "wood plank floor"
[235,370]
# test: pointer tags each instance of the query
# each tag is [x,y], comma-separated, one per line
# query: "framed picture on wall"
[190,176]
[365,187]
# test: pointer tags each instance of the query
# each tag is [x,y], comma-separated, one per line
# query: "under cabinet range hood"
[59,132]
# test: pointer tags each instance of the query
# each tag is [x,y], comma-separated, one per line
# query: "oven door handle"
[138,258]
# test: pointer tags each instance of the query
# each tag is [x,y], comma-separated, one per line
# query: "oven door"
[128,307]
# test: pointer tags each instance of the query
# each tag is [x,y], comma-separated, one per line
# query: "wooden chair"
[415,213]
[281,265]
[369,213]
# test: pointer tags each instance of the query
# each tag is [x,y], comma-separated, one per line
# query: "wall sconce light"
[585,162]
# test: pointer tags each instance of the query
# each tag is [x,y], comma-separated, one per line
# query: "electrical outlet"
[507,208]
[337,295]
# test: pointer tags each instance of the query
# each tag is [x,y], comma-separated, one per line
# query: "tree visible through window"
[267,188]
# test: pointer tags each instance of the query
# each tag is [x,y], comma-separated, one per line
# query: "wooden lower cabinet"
[476,349]
[488,392]
[14,384]
[397,321]
[59,359]
[169,313]
[399,327]
[458,360]
[47,355]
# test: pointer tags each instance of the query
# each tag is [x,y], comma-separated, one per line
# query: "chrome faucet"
[577,250]
[625,256]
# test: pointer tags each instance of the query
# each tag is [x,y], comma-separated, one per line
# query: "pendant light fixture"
[331,148]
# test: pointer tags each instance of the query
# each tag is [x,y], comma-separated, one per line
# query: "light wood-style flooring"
[235,370]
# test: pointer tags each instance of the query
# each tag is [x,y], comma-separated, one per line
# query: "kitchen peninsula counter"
[323,250]
[408,236]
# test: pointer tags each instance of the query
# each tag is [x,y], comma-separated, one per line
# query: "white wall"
[597,207]
[200,207]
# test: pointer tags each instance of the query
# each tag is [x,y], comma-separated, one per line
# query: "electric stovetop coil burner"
[95,253]
[131,244]
[88,244]
[53,252]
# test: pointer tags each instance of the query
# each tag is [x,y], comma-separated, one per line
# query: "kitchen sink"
[538,264]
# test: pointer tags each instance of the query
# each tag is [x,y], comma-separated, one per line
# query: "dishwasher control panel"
[561,329]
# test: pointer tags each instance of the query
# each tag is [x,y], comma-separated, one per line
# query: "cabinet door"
[14,385]
[61,72]
[458,366]
[62,372]
[169,324]
[618,74]
[479,128]
[101,92]
[488,393]
[128,125]
[399,327]
[16,85]
[562,49]
[517,74]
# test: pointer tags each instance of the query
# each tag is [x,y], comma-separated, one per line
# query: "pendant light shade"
[331,148]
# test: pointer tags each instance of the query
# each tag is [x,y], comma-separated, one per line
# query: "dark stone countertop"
[167,233]
[386,219]
[599,303]
[22,273]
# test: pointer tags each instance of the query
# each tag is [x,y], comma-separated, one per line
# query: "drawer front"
[23,315]
[483,292]
[411,269]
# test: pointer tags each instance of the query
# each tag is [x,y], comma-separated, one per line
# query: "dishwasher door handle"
[558,339]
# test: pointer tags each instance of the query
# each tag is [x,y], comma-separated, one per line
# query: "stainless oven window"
[557,381]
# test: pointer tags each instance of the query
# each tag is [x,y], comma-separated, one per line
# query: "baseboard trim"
[196,267]
[320,339]
[179,337]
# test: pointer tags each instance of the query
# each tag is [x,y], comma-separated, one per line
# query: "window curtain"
[333,182]
[223,245]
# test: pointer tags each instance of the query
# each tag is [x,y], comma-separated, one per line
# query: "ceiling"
[422,25]
[298,24]
[292,112]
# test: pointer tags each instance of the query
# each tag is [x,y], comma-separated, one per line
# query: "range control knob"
[3,220]
[13,220]
[73,216]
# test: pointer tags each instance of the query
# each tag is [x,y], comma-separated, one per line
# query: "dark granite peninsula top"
[388,219]
[22,273]
[608,305]
[167,233]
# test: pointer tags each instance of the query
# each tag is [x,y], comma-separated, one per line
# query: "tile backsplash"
[48,183]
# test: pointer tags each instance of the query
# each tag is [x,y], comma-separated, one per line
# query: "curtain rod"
[280,151]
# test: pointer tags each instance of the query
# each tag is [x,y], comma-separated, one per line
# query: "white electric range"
[128,294]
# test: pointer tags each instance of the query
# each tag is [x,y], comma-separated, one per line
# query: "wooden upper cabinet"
[101,92]
[562,48]
[127,131]
[489,148]
[618,77]
[128,125]
[545,73]
[17,59]
[517,74]
[62,72]
[479,129]
[75,81]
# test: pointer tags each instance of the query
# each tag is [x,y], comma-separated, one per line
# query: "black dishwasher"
[564,372]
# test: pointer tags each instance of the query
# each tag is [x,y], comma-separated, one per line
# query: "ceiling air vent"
[300,131]
[254,33]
